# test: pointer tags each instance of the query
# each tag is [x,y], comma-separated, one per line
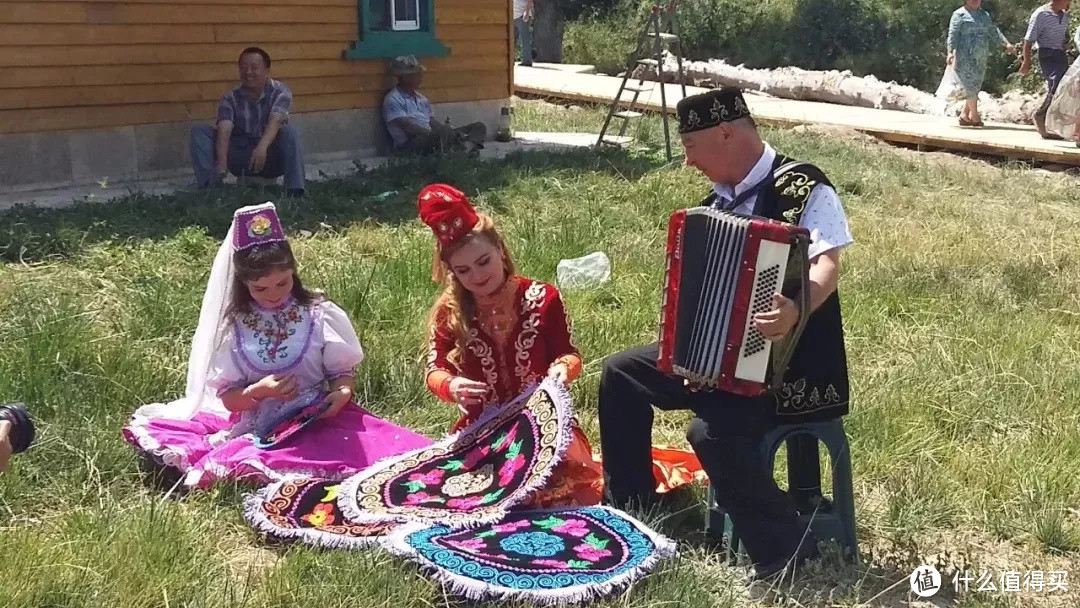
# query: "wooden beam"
[70,97]
[146,14]
[113,75]
[76,35]
[345,3]
[458,16]
[159,54]
[95,117]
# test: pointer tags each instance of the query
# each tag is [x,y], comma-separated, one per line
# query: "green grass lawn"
[961,310]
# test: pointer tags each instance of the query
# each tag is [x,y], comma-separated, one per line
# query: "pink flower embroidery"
[511,527]
[431,478]
[471,545]
[591,553]
[465,503]
[419,498]
[572,527]
[508,439]
[551,563]
[509,468]
[474,457]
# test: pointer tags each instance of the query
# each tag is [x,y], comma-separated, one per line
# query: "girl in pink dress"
[266,347]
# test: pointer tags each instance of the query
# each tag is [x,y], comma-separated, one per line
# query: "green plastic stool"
[839,523]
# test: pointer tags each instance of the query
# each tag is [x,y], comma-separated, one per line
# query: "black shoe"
[812,506]
[785,567]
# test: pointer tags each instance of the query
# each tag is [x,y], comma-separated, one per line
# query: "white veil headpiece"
[198,397]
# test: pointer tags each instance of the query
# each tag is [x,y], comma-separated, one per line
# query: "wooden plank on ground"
[1006,140]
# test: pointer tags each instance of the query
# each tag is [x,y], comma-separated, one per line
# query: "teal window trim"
[381,43]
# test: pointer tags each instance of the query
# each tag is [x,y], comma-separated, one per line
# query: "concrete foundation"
[36,162]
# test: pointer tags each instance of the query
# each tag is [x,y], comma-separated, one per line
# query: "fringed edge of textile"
[476,590]
[255,515]
[144,442]
[560,396]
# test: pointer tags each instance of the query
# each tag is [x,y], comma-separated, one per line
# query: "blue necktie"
[745,195]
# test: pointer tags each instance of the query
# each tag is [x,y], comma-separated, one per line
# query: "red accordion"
[722,269]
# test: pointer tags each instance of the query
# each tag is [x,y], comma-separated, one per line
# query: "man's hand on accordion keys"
[779,321]
[695,387]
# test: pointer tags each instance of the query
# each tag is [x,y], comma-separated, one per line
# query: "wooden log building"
[93,88]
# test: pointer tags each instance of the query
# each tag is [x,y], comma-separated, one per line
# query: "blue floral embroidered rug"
[449,507]
[306,510]
[473,477]
[553,556]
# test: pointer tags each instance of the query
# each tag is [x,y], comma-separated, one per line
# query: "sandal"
[966,123]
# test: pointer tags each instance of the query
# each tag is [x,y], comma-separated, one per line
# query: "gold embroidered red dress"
[515,337]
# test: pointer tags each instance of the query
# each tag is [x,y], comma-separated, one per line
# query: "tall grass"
[961,312]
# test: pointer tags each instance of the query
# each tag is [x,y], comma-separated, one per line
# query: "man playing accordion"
[749,178]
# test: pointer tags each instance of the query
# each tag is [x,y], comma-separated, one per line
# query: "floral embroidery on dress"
[433,355]
[534,297]
[270,335]
[524,342]
[482,351]
[569,329]
[530,329]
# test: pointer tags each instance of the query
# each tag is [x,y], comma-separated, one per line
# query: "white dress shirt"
[824,215]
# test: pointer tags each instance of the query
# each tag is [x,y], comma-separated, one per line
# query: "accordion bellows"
[722,269]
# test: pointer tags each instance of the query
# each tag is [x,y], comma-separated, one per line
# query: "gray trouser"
[524,40]
[285,156]
[441,139]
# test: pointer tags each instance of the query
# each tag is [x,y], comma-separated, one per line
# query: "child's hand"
[337,400]
[276,386]
[468,394]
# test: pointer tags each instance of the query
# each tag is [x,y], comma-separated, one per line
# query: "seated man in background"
[251,136]
[16,432]
[410,120]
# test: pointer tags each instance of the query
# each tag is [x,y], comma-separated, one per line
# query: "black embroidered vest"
[816,383]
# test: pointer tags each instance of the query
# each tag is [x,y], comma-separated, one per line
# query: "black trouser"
[1053,63]
[726,435]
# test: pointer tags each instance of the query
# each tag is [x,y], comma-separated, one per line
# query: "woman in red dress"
[493,333]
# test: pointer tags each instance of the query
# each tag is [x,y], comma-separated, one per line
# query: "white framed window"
[404,15]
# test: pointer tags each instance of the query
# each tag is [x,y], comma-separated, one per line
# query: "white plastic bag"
[951,87]
[587,271]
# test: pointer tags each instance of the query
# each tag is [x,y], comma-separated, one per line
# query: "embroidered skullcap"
[709,109]
[447,211]
[256,225]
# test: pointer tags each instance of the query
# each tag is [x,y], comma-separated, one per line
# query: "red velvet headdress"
[447,211]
